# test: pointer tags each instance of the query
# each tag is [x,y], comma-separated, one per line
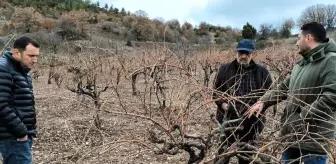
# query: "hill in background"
[54,21]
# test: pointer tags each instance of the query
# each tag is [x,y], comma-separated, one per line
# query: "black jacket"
[17,105]
[225,79]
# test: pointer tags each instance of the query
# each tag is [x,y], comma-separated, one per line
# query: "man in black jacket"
[17,104]
[244,81]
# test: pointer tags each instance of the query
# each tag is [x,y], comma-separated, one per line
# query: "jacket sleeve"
[272,97]
[219,86]
[323,107]
[8,115]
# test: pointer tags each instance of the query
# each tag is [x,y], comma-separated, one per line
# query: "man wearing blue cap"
[246,81]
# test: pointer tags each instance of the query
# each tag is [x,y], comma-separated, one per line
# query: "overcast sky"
[220,12]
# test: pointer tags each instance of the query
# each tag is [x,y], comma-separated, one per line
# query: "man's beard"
[303,50]
[244,63]
[25,67]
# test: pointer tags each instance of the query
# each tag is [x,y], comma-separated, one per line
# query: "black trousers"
[251,127]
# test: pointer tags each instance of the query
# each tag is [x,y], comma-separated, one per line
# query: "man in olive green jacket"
[308,122]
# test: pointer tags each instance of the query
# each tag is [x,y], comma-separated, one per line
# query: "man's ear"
[310,37]
[16,53]
[253,54]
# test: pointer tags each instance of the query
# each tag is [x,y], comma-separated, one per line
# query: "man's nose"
[34,60]
[243,56]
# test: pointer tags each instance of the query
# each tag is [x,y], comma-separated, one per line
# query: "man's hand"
[23,138]
[225,106]
[257,107]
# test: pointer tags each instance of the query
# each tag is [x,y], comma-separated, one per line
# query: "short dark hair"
[315,29]
[22,42]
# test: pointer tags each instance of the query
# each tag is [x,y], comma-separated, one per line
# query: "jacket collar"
[15,63]
[316,56]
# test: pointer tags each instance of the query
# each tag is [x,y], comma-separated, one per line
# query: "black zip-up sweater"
[17,105]
[251,82]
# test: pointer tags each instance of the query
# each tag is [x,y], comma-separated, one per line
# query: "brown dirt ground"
[64,120]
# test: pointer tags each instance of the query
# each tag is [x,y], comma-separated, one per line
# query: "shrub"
[48,24]
[143,29]
[128,43]
[48,40]
[115,28]
[73,24]
[26,19]
[108,26]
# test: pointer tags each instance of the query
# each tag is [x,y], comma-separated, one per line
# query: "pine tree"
[123,12]
[249,32]
[106,7]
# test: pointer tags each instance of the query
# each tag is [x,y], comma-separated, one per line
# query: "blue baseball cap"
[246,45]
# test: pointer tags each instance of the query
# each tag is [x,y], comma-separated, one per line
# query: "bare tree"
[331,15]
[287,26]
[90,77]
[141,13]
[208,70]
[265,30]
[324,14]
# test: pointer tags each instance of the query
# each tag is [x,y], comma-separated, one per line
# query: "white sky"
[220,12]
